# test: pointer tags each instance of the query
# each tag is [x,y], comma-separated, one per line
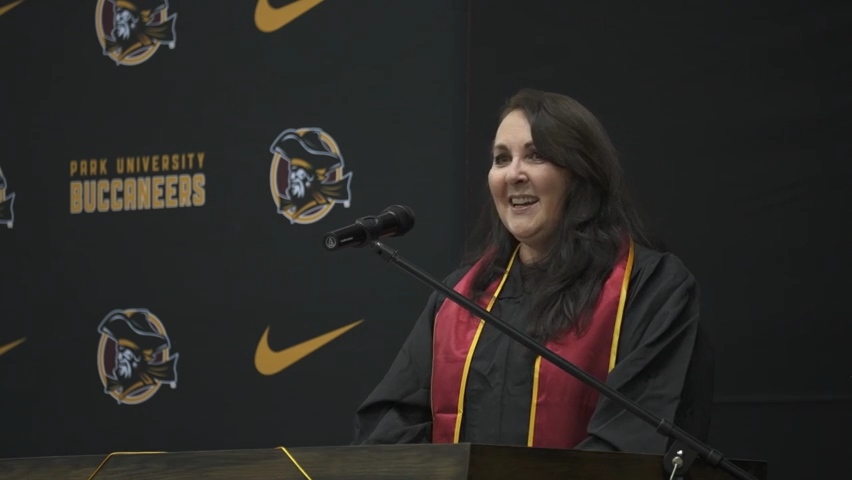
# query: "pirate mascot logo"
[307,176]
[7,201]
[131,31]
[133,356]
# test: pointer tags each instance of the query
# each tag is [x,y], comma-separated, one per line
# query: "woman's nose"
[516,172]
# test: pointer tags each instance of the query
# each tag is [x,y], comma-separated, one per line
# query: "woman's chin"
[523,232]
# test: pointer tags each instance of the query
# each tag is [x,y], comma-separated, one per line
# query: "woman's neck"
[528,254]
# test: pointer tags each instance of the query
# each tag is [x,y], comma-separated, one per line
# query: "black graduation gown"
[663,362]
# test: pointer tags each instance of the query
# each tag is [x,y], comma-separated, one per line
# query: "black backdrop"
[732,118]
[385,79]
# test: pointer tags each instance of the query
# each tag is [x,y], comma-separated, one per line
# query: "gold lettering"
[199,196]
[103,188]
[143,186]
[76,196]
[157,186]
[89,196]
[129,194]
[115,187]
[171,191]
[185,190]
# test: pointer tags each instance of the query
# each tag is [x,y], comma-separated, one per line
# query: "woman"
[564,258]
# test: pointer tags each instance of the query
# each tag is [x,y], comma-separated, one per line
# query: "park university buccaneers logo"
[131,31]
[7,203]
[133,356]
[307,177]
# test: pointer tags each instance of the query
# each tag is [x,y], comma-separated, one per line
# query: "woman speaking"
[562,256]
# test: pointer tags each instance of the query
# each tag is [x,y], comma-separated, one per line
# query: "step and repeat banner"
[167,170]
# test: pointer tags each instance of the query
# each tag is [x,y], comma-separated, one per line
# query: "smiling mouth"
[522,201]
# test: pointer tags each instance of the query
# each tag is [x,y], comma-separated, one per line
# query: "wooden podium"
[391,462]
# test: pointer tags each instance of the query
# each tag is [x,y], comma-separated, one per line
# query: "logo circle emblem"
[122,25]
[134,358]
[307,177]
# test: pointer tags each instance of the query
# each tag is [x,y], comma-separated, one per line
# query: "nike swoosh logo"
[9,346]
[269,362]
[269,19]
[10,6]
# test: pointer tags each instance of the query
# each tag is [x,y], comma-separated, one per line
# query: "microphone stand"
[685,446]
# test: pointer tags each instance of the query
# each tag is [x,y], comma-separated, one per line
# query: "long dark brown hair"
[597,217]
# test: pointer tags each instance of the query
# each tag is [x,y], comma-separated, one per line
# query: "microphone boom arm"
[661,425]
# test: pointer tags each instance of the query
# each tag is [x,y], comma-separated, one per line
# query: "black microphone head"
[329,241]
[404,215]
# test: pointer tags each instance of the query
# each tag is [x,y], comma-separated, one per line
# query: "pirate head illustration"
[307,175]
[130,30]
[7,203]
[133,358]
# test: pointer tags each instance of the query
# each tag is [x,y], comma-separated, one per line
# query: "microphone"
[394,221]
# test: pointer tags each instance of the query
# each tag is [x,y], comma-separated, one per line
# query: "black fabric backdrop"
[733,121]
[385,79]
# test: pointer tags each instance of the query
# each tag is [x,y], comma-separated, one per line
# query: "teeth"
[517,201]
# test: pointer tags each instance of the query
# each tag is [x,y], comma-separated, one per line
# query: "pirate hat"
[134,331]
[137,6]
[307,151]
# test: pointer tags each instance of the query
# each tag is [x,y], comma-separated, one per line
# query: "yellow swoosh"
[9,346]
[269,19]
[269,362]
[10,6]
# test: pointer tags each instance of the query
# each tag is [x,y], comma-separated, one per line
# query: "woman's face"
[527,190]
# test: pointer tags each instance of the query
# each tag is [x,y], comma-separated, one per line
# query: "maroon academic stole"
[561,405]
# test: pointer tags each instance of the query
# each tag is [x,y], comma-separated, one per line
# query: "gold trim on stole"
[534,397]
[457,430]
[628,269]
[615,336]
